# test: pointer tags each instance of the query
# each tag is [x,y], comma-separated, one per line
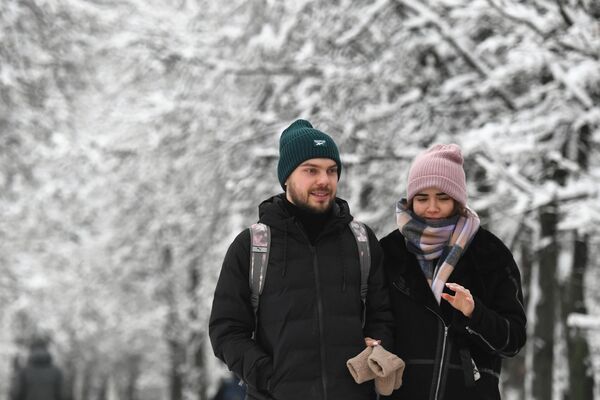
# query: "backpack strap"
[260,246]
[364,254]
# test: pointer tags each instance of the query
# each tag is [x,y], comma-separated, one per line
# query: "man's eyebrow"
[309,164]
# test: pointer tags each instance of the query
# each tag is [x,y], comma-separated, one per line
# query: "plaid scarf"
[443,240]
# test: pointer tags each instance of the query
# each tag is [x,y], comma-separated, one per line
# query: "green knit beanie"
[301,142]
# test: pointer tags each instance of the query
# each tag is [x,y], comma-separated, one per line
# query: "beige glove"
[379,364]
[359,366]
[388,369]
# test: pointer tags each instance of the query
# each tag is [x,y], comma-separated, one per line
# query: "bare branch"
[563,12]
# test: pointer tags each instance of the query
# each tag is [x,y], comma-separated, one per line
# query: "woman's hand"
[372,342]
[462,299]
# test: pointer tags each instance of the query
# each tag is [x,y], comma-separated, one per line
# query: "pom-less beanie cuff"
[300,142]
[451,188]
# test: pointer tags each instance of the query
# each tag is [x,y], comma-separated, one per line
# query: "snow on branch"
[269,153]
[263,69]
[368,16]
[529,23]
[378,111]
[538,198]
[526,20]
[496,168]
[347,158]
[564,13]
[274,40]
[583,321]
[447,34]
[579,93]
[296,70]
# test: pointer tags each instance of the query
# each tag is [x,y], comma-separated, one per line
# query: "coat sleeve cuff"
[265,372]
[477,314]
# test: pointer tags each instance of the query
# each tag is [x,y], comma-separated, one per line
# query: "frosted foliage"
[139,137]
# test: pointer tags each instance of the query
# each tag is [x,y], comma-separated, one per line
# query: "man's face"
[313,184]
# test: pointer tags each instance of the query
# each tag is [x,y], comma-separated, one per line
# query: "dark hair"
[459,209]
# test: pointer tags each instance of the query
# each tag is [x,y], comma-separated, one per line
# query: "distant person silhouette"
[40,379]
[230,389]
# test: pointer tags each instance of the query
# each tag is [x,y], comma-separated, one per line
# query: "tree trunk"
[581,381]
[177,359]
[172,331]
[196,373]
[545,309]
[103,388]
[85,387]
[514,368]
[133,364]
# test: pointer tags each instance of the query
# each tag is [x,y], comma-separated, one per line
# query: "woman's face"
[432,203]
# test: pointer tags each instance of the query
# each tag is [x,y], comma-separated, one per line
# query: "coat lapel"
[420,289]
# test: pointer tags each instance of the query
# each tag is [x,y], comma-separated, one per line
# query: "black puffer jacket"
[309,319]
[436,341]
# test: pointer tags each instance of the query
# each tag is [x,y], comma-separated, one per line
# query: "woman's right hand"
[462,300]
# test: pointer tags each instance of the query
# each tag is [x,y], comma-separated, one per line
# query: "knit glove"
[386,385]
[359,366]
[388,369]
[398,380]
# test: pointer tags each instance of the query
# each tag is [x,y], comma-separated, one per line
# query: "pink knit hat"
[441,167]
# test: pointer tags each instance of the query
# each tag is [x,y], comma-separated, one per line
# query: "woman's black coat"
[449,356]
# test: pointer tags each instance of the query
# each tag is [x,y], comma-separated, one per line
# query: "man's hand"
[462,299]
[372,342]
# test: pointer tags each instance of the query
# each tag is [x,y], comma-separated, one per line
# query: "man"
[40,379]
[310,317]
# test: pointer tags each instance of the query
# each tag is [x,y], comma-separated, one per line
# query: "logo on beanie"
[319,143]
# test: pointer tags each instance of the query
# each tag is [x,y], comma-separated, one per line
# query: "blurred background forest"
[138,137]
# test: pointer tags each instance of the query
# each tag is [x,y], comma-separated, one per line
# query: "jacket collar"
[274,213]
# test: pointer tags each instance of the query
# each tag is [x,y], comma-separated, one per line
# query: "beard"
[305,201]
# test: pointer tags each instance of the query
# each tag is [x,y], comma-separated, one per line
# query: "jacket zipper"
[441,365]
[320,321]
[439,380]
[320,312]
[499,351]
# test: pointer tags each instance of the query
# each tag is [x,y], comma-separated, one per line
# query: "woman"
[455,287]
